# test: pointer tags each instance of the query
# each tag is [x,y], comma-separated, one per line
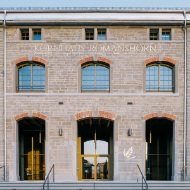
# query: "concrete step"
[98,185]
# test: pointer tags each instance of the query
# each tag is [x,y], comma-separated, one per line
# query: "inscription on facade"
[128,48]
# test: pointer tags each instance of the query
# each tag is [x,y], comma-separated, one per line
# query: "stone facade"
[63,50]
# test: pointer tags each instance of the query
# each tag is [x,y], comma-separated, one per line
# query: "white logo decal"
[129,153]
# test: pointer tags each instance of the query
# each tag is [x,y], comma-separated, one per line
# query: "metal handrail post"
[48,183]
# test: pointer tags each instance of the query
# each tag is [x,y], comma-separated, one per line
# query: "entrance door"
[32,149]
[159,140]
[95,149]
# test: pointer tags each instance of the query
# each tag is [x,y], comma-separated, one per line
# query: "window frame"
[31,88]
[165,30]
[95,32]
[38,30]
[160,34]
[159,64]
[95,63]
[155,31]
[24,31]
[31,33]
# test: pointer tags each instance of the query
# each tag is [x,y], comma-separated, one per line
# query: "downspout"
[185,97]
[5,99]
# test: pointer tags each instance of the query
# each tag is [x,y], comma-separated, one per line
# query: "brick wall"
[128,81]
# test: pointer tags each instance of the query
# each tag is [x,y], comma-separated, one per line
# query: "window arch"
[95,77]
[31,77]
[159,77]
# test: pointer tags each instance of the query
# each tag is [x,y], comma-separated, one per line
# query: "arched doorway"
[31,132]
[95,149]
[159,149]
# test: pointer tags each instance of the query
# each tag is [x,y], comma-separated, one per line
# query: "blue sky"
[95,3]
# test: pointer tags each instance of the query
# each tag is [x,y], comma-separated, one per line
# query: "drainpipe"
[5,99]
[185,96]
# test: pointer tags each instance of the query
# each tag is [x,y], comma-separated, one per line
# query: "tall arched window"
[95,77]
[31,77]
[159,77]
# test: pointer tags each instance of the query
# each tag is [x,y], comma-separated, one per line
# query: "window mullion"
[31,78]
[159,77]
[95,77]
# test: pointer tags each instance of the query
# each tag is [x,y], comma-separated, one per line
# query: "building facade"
[94,92]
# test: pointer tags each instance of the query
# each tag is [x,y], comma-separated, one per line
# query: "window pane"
[24,34]
[154,33]
[95,77]
[31,77]
[36,34]
[89,34]
[38,77]
[88,77]
[152,78]
[101,34]
[166,34]
[166,78]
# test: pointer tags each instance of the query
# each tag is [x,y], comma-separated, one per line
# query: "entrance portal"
[95,149]
[159,139]
[32,149]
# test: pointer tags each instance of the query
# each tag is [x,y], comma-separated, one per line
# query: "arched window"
[31,77]
[159,77]
[95,77]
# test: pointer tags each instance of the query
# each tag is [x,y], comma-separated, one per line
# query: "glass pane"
[101,34]
[101,147]
[102,168]
[88,78]
[102,78]
[152,78]
[88,168]
[38,75]
[24,78]
[36,34]
[89,147]
[166,78]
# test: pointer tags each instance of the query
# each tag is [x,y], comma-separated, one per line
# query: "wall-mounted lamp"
[129,132]
[60,131]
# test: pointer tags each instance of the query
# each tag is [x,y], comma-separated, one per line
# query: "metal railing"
[48,177]
[143,179]
[3,177]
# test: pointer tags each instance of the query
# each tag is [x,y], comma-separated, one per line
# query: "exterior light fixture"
[129,132]
[60,131]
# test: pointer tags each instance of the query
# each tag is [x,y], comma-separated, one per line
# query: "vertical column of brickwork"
[188,105]
[1,108]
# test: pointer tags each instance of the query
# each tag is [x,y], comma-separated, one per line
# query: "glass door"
[95,150]
[32,154]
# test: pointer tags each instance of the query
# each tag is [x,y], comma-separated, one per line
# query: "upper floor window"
[159,77]
[154,34]
[24,34]
[30,34]
[95,77]
[89,34]
[157,34]
[101,34]
[31,77]
[36,34]
[95,34]
[166,34]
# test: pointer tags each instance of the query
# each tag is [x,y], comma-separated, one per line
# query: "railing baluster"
[143,178]
[47,178]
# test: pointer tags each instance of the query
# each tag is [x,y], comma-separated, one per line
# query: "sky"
[96,3]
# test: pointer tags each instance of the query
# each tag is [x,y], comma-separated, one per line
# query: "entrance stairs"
[106,185]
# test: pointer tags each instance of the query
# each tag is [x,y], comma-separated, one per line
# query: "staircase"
[99,185]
